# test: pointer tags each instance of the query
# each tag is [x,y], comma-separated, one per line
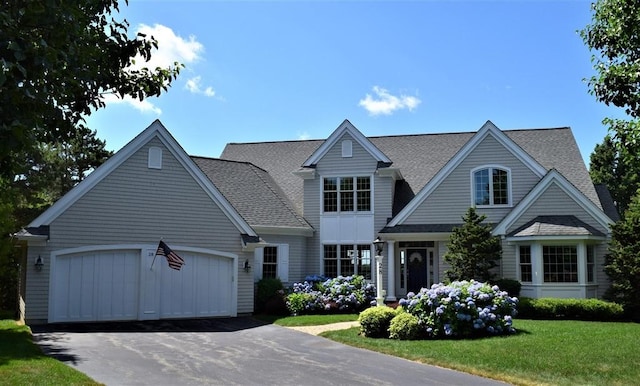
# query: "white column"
[379,288]
[391,271]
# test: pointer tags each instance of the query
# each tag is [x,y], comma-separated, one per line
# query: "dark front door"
[416,269]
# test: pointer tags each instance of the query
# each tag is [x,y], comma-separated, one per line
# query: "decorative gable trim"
[157,130]
[487,129]
[553,177]
[345,128]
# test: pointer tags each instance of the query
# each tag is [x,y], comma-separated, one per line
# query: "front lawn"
[23,363]
[542,352]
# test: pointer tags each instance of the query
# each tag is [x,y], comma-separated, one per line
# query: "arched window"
[491,186]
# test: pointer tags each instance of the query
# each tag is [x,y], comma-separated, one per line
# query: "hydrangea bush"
[341,294]
[462,309]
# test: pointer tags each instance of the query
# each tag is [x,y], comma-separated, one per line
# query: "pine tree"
[472,250]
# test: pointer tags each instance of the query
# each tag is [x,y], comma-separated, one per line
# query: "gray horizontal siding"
[449,201]
[135,204]
[554,201]
[297,255]
[361,162]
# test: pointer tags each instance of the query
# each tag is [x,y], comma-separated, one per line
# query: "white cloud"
[143,106]
[171,48]
[194,87]
[386,103]
[303,136]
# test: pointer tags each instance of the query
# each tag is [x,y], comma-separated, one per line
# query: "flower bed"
[462,309]
[341,294]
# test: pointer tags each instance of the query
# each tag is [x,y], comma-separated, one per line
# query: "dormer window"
[491,186]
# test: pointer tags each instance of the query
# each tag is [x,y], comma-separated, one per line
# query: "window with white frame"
[347,260]
[591,263]
[560,263]
[491,186]
[270,262]
[346,194]
[526,273]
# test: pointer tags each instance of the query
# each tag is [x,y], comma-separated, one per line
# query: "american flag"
[173,259]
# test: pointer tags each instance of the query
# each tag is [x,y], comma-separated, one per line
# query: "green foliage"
[375,321]
[570,309]
[340,294]
[615,164]
[270,296]
[614,38]
[54,72]
[512,286]
[623,262]
[472,250]
[405,326]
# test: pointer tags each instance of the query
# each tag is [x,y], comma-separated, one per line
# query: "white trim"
[487,129]
[305,174]
[355,211]
[345,127]
[156,129]
[552,177]
[283,230]
[473,186]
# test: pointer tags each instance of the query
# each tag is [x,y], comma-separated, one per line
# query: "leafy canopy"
[472,250]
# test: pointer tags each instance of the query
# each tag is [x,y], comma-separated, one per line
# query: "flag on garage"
[175,261]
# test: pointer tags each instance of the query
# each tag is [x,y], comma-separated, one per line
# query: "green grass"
[307,320]
[543,352]
[23,363]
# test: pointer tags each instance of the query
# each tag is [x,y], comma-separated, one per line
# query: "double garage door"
[134,284]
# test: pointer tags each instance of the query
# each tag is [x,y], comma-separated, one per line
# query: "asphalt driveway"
[233,351]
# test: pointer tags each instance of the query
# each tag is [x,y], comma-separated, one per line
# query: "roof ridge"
[228,160]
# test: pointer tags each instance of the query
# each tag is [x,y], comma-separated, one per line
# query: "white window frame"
[354,247]
[490,169]
[282,262]
[355,194]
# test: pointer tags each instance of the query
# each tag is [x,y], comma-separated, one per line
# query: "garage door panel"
[106,285]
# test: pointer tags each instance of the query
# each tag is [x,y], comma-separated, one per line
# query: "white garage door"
[124,285]
[96,286]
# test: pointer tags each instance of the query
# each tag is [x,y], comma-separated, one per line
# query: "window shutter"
[283,262]
[258,258]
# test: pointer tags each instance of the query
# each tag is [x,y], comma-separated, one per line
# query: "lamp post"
[379,290]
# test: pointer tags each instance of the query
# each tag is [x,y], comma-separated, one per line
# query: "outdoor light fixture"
[378,244]
[39,263]
[246,266]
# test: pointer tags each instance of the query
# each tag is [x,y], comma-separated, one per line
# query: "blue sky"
[285,70]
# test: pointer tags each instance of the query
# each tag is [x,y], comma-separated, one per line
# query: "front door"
[416,269]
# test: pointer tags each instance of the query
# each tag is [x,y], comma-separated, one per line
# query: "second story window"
[491,186]
[347,194]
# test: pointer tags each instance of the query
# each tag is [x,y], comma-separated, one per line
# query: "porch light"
[39,263]
[246,266]
[378,245]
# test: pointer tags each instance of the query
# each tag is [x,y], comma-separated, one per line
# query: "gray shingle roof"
[419,157]
[253,193]
[555,226]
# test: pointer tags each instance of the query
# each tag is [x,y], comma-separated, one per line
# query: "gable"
[336,139]
[487,130]
[336,161]
[158,135]
[554,195]
[451,198]
[135,202]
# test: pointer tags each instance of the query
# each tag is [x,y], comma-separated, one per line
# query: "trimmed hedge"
[571,309]
[375,321]
[405,326]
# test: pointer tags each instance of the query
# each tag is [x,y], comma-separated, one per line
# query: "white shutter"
[258,258]
[283,262]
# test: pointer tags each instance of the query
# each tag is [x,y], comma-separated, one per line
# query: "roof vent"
[155,158]
[347,148]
